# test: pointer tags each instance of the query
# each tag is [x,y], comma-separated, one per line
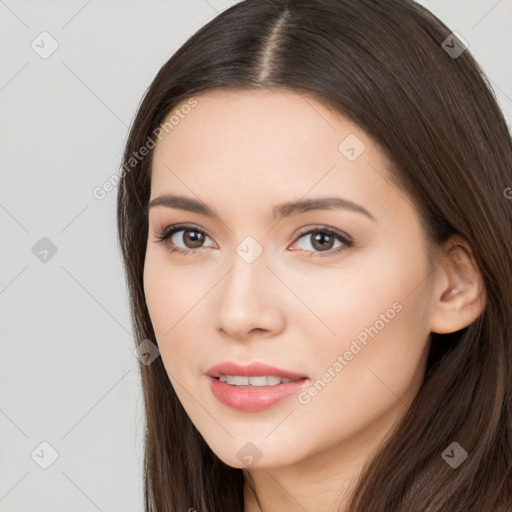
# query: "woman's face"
[338,295]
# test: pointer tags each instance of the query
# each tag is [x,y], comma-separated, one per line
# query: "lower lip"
[253,399]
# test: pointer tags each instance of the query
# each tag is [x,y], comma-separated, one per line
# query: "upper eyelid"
[302,231]
[320,227]
[176,228]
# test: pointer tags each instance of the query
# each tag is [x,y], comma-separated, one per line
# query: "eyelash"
[347,242]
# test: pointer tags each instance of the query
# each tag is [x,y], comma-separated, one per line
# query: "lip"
[253,399]
[251,370]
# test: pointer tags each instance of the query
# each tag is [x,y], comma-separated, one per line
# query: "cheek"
[374,317]
[340,302]
[170,291]
[175,297]
[156,292]
[371,369]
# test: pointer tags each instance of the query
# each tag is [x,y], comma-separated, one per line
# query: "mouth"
[254,398]
[235,373]
[254,387]
[254,381]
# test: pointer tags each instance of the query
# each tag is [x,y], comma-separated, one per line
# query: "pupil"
[195,239]
[322,240]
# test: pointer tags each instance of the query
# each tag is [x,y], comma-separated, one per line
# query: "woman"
[314,219]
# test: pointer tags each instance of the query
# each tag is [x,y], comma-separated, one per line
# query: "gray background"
[68,375]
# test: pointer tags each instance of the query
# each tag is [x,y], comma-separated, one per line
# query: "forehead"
[269,123]
[257,133]
[270,145]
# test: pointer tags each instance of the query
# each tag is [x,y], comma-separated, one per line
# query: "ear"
[459,289]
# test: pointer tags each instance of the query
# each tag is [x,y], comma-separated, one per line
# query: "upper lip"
[251,370]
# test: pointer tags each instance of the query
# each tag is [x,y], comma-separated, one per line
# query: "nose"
[250,301]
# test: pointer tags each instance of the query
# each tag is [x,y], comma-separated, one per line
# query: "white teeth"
[259,381]
[238,380]
[241,381]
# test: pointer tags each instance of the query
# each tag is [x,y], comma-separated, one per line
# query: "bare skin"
[299,305]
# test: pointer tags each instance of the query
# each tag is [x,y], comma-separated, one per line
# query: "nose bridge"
[246,301]
[248,266]
[249,250]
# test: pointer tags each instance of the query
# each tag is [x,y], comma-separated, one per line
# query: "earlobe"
[460,294]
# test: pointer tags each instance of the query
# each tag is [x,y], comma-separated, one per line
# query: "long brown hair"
[387,67]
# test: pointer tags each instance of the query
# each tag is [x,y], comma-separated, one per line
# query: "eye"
[321,240]
[192,237]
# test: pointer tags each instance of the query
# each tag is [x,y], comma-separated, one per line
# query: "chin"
[246,454]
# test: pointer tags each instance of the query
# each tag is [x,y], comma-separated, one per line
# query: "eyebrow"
[279,211]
